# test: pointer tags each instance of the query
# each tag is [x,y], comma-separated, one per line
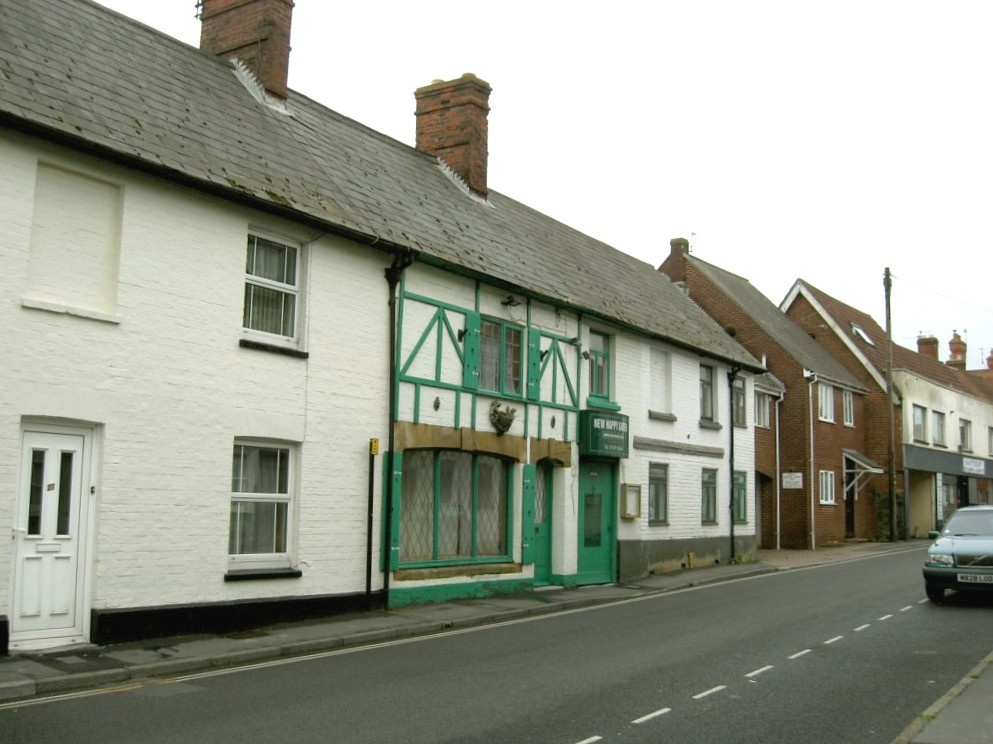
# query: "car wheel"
[934,592]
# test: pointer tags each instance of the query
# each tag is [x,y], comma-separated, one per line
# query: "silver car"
[961,556]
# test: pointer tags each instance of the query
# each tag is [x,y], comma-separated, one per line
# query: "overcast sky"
[816,140]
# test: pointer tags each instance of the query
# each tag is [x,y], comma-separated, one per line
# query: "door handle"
[15,530]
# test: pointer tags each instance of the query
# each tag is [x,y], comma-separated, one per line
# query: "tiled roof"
[846,317]
[79,74]
[777,325]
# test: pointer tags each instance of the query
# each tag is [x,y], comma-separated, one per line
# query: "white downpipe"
[810,414]
[779,474]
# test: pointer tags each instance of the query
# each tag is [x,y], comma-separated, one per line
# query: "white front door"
[49,539]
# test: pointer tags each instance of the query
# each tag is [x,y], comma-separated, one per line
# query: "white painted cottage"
[248,342]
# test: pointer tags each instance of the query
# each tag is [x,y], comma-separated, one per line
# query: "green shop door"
[596,523]
[543,526]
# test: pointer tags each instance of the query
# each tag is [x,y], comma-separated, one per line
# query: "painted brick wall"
[169,388]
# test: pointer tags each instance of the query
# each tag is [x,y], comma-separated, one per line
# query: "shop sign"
[603,434]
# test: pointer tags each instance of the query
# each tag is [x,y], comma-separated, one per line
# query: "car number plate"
[975,578]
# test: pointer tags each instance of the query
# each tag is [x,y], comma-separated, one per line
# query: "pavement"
[962,716]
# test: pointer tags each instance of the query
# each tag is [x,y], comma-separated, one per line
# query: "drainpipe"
[810,418]
[779,474]
[401,260]
[732,376]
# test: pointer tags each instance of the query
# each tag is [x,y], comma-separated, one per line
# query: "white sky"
[787,139]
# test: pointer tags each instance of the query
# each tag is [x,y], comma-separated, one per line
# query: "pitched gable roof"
[777,325]
[870,344]
[76,73]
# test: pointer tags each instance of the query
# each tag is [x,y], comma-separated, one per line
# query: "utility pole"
[891,430]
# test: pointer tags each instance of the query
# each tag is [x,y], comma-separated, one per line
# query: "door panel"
[596,523]
[47,537]
[543,526]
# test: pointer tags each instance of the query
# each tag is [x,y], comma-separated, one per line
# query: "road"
[847,652]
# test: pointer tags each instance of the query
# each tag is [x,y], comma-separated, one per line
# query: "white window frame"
[848,407]
[938,435]
[292,290]
[965,435]
[826,494]
[918,423]
[825,402]
[275,559]
[762,405]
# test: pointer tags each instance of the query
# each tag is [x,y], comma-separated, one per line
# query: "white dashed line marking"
[833,640]
[798,654]
[862,627]
[908,607]
[590,740]
[711,691]
[885,617]
[650,716]
[757,672]
[923,601]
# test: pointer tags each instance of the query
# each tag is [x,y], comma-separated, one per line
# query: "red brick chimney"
[675,265]
[957,348]
[451,124]
[928,346]
[257,32]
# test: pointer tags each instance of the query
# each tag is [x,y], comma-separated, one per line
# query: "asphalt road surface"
[847,652]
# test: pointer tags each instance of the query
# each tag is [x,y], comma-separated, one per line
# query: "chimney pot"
[256,32]
[957,347]
[452,125]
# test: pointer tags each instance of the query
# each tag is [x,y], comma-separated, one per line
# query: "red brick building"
[810,466]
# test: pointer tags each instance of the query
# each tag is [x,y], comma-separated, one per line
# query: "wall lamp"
[510,301]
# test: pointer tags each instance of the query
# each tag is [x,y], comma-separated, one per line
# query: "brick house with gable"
[811,457]
[942,415]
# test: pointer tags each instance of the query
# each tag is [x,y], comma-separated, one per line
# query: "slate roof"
[778,326]
[76,73]
[903,358]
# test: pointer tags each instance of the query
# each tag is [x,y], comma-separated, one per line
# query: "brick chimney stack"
[957,348]
[257,32]
[928,346]
[451,124]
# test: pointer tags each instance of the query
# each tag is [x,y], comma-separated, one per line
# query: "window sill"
[593,401]
[247,343]
[261,574]
[704,424]
[78,312]
[660,416]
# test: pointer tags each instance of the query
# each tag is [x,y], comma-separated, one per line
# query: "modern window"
[740,511]
[708,514]
[271,287]
[938,428]
[706,393]
[762,405]
[827,487]
[825,399]
[454,506]
[848,407]
[738,400]
[920,424]
[599,353]
[965,435]
[261,494]
[500,357]
[989,438]
[658,494]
